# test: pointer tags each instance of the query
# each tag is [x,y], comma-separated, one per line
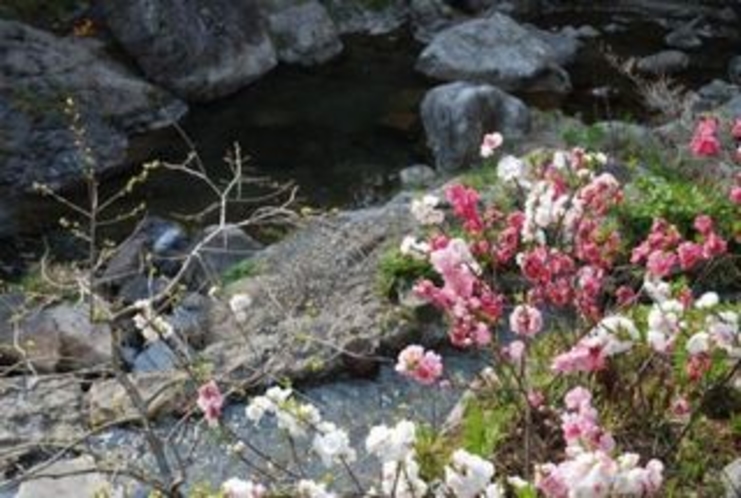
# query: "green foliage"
[243,269]
[433,452]
[396,271]
[486,425]
[677,201]
[590,137]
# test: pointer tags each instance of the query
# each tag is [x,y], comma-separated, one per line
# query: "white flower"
[332,444]
[511,169]
[613,332]
[707,301]
[401,479]
[658,290]
[296,419]
[152,325]
[724,329]
[237,488]
[258,407]
[278,395]
[410,246]
[698,343]
[560,159]
[468,475]
[239,304]
[425,210]
[311,489]
[391,444]
[494,491]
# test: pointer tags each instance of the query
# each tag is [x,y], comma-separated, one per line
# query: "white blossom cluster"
[152,325]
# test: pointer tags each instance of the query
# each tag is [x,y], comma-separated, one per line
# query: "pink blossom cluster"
[705,141]
[470,303]
[590,469]
[426,367]
[664,249]
[210,401]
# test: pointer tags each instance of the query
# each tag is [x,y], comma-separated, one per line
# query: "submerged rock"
[499,51]
[44,81]
[199,49]
[457,115]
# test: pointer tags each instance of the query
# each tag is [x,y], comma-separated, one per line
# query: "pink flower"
[535,398]
[713,246]
[705,140]
[689,254]
[735,195]
[680,407]
[703,224]
[526,320]
[660,263]
[577,397]
[625,295]
[490,143]
[423,366]
[514,351]
[465,206]
[210,401]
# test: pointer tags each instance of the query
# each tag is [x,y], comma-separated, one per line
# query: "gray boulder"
[199,49]
[374,17]
[39,74]
[302,31]
[664,62]
[457,115]
[499,51]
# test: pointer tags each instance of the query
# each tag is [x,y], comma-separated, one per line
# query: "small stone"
[417,176]
[665,62]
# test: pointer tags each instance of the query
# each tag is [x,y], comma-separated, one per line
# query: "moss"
[239,271]
[396,271]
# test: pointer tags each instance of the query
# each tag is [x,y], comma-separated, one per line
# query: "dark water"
[343,130]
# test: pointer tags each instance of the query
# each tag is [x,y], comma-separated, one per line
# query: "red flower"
[705,140]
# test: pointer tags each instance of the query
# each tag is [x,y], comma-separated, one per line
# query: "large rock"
[199,49]
[302,31]
[316,297]
[39,410]
[457,115]
[39,72]
[72,478]
[499,51]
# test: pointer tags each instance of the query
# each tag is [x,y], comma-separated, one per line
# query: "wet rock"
[72,478]
[457,115]
[665,62]
[302,31]
[429,17]
[374,17]
[189,319]
[734,70]
[199,49]
[417,176]
[498,51]
[163,392]
[684,37]
[152,236]
[220,249]
[39,72]
[713,95]
[38,410]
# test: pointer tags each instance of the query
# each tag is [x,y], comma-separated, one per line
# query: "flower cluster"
[590,469]
[152,325]
[664,250]
[394,447]
[426,367]
[330,443]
